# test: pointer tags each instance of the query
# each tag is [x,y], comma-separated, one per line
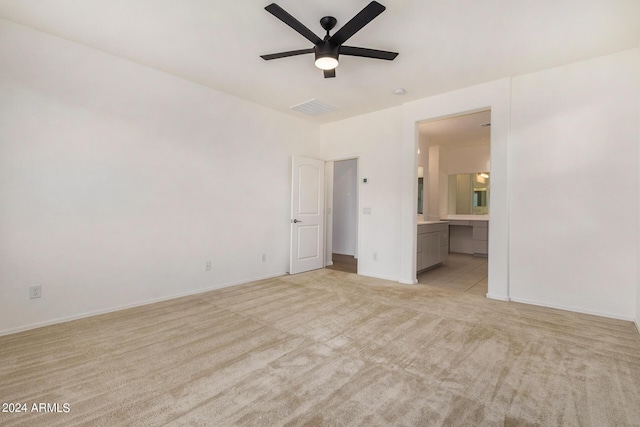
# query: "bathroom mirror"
[469,193]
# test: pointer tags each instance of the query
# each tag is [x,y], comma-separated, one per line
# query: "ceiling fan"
[328,49]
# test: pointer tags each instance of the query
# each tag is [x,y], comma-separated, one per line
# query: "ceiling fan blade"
[365,16]
[367,53]
[285,17]
[329,73]
[285,54]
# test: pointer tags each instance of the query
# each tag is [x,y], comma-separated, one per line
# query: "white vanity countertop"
[430,222]
[466,217]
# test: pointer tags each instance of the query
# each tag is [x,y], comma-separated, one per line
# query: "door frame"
[495,96]
[328,203]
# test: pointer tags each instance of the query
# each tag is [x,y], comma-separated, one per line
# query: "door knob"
[295,221]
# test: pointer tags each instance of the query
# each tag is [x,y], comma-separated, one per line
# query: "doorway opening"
[342,215]
[454,167]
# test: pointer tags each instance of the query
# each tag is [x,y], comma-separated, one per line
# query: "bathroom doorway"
[454,157]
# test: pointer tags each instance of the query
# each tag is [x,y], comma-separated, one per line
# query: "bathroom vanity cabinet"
[469,234]
[433,244]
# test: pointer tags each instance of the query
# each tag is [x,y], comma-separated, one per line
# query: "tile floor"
[461,272]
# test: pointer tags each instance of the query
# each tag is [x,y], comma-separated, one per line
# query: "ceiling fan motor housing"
[326,49]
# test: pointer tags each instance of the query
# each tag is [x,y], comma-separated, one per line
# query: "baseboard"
[574,309]
[498,297]
[637,323]
[126,306]
[375,276]
[330,263]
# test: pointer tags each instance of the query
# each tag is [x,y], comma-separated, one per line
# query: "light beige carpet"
[327,348]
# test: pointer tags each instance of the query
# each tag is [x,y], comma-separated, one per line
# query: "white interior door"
[307,215]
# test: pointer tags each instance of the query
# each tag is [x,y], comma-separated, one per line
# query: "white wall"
[433,184]
[574,186]
[117,182]
[374,138]
[424,159]
[328,203]
[564,179]
[466,159]
[345,206]
[637,319]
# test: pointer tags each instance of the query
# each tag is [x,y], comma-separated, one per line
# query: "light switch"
[366,211]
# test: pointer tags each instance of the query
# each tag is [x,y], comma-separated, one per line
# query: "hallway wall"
[345,207]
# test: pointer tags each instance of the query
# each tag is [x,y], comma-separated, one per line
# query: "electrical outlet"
[375,256]
[35,292]
[207,266]
[264,257]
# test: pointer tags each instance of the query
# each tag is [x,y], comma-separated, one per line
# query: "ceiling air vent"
[313,107]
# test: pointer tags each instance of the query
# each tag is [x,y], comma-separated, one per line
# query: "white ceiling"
[443,45]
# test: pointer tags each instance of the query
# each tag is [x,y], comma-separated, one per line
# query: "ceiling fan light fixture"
[326,62]
[326,55]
